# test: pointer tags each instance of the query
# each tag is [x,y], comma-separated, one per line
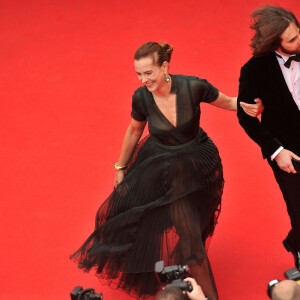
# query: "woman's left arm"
[230,103]
[225,102]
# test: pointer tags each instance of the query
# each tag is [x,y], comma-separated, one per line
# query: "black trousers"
[289,184]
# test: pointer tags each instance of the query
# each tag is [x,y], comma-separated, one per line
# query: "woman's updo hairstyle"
[160,52]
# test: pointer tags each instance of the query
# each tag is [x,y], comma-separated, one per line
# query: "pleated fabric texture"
[166,208]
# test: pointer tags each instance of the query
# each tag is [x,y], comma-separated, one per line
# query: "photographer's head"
[286,290]
[175,293]
[171,293]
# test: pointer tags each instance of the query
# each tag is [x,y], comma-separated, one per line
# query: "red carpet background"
[66,83]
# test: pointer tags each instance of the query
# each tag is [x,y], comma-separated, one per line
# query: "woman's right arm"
[132,136]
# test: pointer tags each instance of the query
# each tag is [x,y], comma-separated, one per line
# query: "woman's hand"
[119,177]
[132,136]
[253,110]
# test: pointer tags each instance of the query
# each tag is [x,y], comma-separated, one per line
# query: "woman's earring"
[167,78]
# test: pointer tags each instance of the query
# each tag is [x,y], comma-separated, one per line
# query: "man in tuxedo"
[273,75]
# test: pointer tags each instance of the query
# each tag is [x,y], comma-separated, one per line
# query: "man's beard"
[285,51]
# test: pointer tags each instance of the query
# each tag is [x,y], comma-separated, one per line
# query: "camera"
[291,274]
[173,275]
[79,293]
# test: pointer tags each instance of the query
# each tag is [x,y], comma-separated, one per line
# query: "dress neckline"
[174,90]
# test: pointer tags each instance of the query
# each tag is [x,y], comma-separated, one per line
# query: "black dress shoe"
[295,253]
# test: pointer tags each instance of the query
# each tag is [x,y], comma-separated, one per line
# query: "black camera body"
[173,275]
[79,293]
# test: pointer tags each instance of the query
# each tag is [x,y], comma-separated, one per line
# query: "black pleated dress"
[167,206]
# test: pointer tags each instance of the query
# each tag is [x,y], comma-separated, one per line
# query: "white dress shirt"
[291,76]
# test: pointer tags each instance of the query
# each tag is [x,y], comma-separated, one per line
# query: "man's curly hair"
[269,22]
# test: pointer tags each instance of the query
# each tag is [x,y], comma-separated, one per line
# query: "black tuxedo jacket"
[261,77]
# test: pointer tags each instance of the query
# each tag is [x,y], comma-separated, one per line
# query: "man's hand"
[253,110]
[196,293]
[284,160]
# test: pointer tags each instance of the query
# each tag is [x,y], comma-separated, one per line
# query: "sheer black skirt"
[165,209]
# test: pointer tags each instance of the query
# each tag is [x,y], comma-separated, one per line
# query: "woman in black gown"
[168,188]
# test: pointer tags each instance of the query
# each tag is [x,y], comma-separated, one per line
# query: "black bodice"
[190,92]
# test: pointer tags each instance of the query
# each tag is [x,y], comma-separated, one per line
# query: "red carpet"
[66,83]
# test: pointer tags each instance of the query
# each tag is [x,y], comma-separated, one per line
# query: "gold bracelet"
[118,168]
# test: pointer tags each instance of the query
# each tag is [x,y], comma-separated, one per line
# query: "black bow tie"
[287,64]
